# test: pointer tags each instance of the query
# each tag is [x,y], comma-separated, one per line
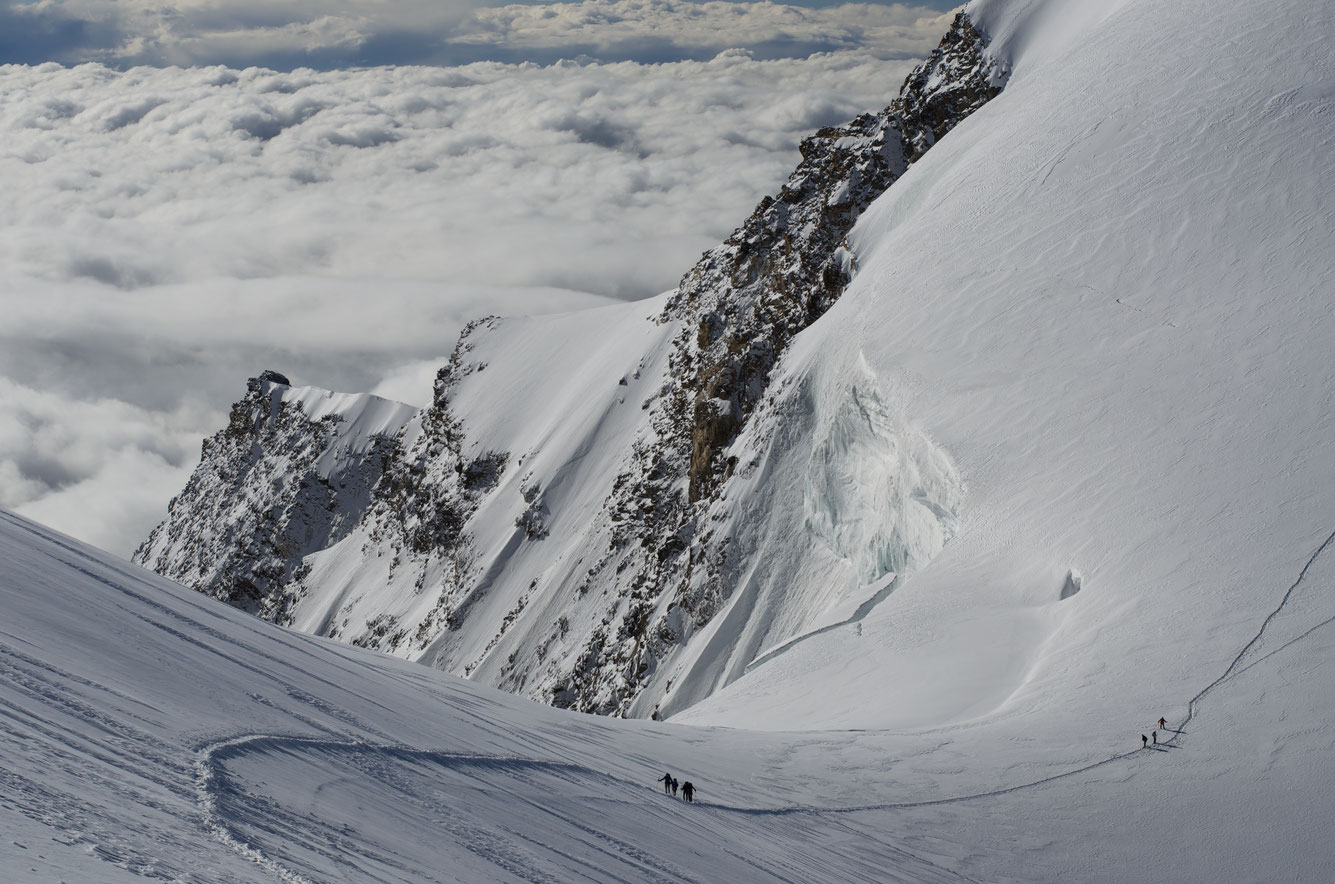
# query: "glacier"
[1055,462]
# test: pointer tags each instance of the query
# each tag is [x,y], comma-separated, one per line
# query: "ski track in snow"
[213,783]
[211,776]
[207,788]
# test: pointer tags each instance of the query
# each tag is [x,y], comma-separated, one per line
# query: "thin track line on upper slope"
[859,614]
[1265,624]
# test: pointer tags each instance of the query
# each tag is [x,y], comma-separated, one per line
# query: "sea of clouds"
[168,232]
[340,33]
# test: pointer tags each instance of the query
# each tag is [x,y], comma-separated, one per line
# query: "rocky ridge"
[739,308]
[650,571]
[266,495]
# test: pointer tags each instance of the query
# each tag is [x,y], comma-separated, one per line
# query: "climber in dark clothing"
[687,791]
[1144,740]
[674,787]
[667,783]
[1162,723]
[1155,736]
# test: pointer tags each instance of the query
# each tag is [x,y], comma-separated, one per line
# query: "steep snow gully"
[246,815]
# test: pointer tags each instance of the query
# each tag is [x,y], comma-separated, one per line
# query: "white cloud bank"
[339,33]
[486,173]
[647,30]
[168,232]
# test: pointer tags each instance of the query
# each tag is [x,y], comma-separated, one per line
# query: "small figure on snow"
[1154,735]
[1162,723]
[667,783]
[687,791]
[674,787]
[1144,741]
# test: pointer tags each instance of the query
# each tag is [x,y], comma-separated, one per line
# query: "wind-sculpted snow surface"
[555,523]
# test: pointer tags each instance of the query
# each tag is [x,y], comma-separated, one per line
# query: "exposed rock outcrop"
[783,268]
[585,616]
[739,308]
[266,495]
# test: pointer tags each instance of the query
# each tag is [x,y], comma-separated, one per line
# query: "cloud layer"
[284,34]
[169,232]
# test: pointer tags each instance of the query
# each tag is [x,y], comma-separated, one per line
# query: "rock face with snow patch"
[745,300]
[290,474]
[605,555]
[738,309]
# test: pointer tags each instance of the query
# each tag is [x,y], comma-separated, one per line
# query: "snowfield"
[1107,297]
[1059,462]
[150,732]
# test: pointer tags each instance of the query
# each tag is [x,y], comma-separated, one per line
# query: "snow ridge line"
[857,616]
[1265,624]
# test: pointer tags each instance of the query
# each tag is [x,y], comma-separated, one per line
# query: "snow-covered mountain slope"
[149,732]
[1107,295]
[1058,461]
[1056,451]
[545,525]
